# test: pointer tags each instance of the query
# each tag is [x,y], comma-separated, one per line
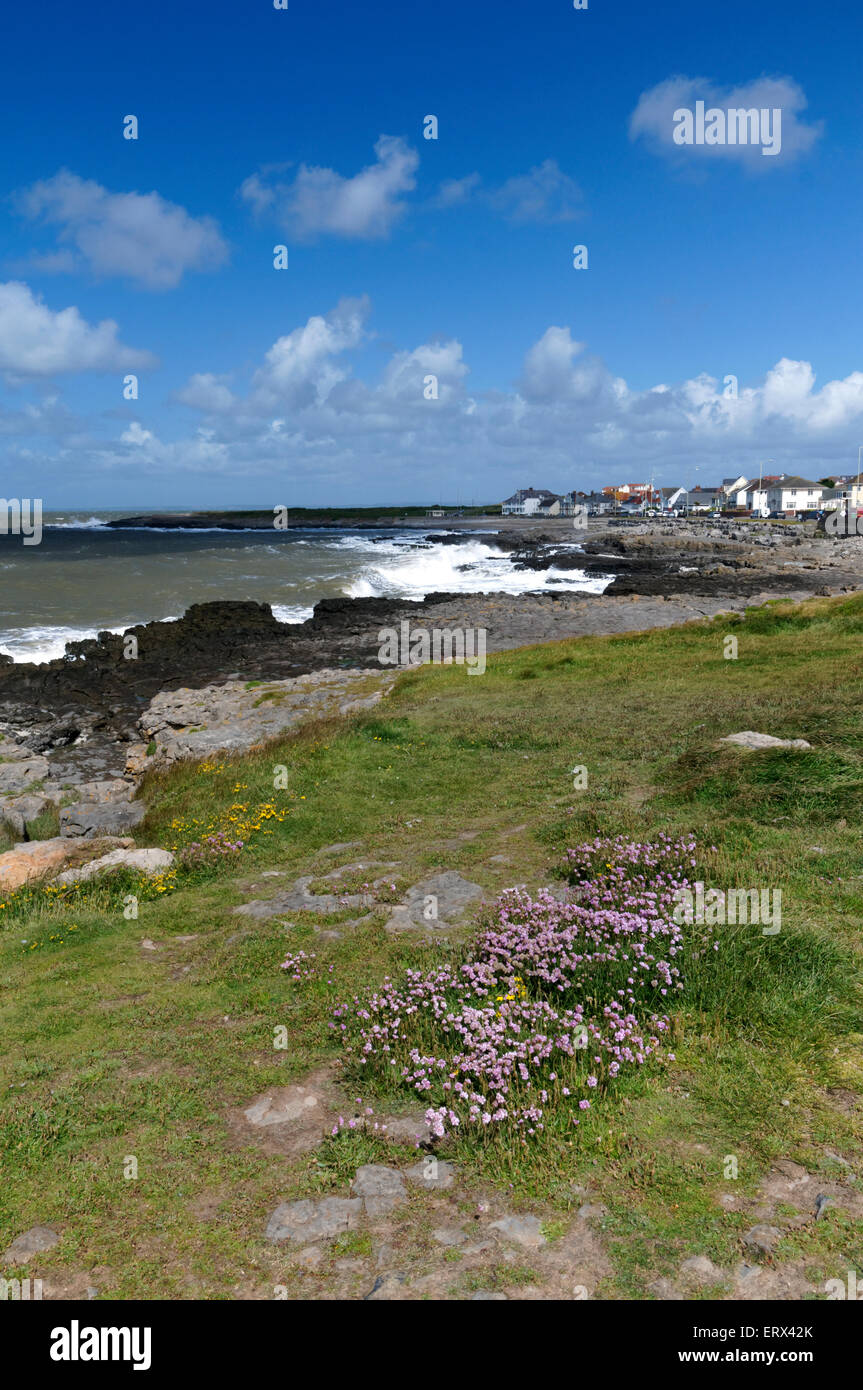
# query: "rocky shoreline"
[82,711]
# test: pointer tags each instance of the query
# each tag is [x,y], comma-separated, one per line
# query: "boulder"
[104,793]
[33,860]
[91,818]
[144,861]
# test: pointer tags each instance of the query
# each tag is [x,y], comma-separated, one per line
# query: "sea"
[85,577]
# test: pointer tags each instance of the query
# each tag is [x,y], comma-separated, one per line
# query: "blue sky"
[447,258]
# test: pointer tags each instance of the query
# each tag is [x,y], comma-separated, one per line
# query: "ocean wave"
[473,567]
[291,612]
[41,644]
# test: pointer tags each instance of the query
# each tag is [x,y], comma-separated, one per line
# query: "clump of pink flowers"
[300,965]
[210,850]
[551,1002]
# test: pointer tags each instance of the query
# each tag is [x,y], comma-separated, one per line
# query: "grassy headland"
[113,1050]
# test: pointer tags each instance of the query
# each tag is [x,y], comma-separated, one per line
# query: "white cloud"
[306,418]
[321,201]
[298,369]
[404,378]
[137,435]
[455,192]
[654,120]
[36,341]
[568,409]
[139,236]
[207,392]
[544,194]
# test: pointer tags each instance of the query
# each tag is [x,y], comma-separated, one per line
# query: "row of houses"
[779,492]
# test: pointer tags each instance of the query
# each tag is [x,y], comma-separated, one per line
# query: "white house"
[735,490]
[789,493]
[672,497]
[527,501]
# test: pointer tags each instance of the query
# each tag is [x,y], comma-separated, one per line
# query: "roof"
[525,492]
[793,480]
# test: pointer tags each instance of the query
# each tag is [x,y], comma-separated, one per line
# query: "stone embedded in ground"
[664,1291]
[449,1235]
[385,1287]
[762,1239]
[283,1105]
[32,1242]
[522,1230]
[447,895]
[407,1129]
[488,1296]
[310,1221]
[299,898]
[89,818]
[431,1173]
[144,861]
[701,1270]
[380,1188]
[310,1257]
[749,739]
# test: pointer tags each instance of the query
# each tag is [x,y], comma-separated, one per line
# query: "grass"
[113,1051]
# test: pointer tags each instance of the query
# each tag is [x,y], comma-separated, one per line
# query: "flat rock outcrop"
[237,715]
